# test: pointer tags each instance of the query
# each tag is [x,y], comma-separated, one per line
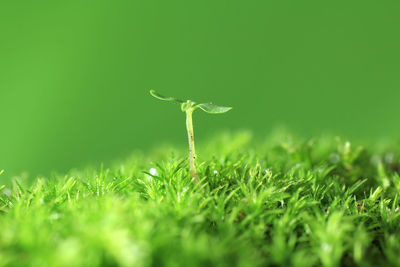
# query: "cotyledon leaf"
[214,109]
[165,98]
[185,105]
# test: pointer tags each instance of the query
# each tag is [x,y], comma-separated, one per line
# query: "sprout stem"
[192,151]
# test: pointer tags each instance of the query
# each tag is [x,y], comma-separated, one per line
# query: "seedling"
[188,107]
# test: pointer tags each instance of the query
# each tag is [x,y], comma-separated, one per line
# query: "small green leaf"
[185,106]
[165,98]
[214,109]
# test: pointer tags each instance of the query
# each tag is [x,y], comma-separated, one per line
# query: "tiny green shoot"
[188,107]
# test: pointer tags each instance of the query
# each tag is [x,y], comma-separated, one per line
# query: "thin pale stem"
[192,151]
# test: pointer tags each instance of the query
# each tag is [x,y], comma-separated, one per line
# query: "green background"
[75,75]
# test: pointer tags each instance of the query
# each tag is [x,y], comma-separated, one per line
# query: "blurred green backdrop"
[75,75]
